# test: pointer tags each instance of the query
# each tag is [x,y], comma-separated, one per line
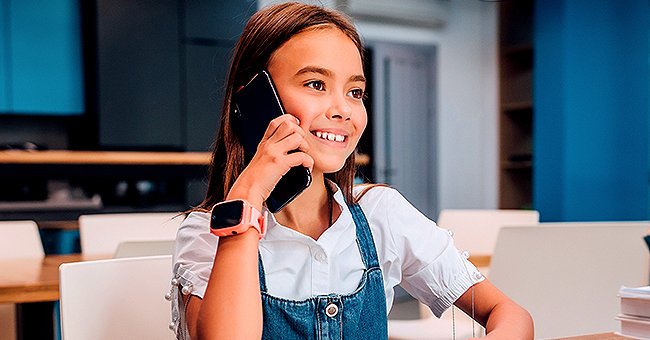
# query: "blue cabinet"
[41,57]
[591,90]
[4,80]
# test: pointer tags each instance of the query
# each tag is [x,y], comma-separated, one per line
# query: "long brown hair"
[264,33]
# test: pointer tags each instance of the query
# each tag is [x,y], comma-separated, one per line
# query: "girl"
[326,264]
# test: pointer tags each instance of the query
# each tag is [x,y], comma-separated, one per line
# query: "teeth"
[330,136]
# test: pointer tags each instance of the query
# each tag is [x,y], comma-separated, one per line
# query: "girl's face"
[319,77]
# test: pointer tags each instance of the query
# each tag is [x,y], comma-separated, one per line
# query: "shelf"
[104,157]
[63,157]
[61,164]
[516,55]
[525,105]
[92,204]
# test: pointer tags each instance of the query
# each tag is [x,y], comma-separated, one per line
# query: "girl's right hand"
[274,157]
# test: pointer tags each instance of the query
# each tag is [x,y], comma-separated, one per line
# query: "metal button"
[331,310]
[168,296]
[186,289]
[477,276]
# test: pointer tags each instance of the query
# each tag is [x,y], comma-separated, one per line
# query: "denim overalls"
[358,315]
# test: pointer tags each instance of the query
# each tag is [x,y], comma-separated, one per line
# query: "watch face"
[226,214]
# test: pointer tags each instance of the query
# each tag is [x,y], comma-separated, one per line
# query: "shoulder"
[391,214]
[378,198]
[387,211]
[196,218]
[194,236]
[195,223]
[371,192]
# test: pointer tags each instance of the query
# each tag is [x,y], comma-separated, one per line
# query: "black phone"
[256,104]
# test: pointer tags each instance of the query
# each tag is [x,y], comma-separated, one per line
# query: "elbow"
[523,324]
[529,324]
[510,321]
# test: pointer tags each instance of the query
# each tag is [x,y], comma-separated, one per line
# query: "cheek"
[292,101]
[302,109]
[361,121]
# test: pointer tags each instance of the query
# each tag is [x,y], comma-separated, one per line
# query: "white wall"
[467,99]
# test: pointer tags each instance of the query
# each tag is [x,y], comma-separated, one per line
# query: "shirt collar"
[276,231]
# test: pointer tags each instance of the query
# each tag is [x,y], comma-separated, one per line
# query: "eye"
[357,93]
[317,85]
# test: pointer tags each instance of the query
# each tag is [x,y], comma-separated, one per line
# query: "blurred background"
[516,104]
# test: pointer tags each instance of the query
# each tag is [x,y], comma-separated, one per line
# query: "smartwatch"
[235,217]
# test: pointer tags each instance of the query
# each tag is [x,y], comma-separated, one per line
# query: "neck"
[312,212]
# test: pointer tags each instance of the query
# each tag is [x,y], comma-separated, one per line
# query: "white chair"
[144,248]
[116,299]
[567,275]
[476,230]
[20,239]
[101,234]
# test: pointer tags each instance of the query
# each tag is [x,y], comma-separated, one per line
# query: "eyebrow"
[327,73]
[358,77]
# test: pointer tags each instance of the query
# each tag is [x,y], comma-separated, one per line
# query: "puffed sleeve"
[433,270]
[194,253]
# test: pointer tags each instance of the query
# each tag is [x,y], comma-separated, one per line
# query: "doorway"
[404,121]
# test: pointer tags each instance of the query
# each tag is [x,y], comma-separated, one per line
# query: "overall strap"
[261,272]
[364,237]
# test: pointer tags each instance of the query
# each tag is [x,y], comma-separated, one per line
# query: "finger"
[277,123]
[283,147]
[296,118]
[285,130]
[294,141]
[300,158]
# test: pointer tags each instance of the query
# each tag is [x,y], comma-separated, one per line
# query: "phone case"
[256,104]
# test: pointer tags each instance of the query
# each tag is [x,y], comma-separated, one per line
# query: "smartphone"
[256,104]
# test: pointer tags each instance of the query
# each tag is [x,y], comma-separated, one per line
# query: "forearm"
[231,307]
[509,321]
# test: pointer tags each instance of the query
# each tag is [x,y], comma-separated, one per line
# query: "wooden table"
[33,285]
[33,280]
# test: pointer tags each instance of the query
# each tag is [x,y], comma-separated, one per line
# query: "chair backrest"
[144,248]
[567,275]
[116,299]
[100,234]
[20,239]
[476,230]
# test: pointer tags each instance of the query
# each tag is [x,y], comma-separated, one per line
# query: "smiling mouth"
[330,136]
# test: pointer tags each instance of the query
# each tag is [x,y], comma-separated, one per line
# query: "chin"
[332,167]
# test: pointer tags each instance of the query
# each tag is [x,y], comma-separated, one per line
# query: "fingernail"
[298,121]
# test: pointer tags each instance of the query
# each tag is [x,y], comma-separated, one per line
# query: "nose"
[339,109]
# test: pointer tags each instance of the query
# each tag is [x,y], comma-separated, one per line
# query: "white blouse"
[412,251]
